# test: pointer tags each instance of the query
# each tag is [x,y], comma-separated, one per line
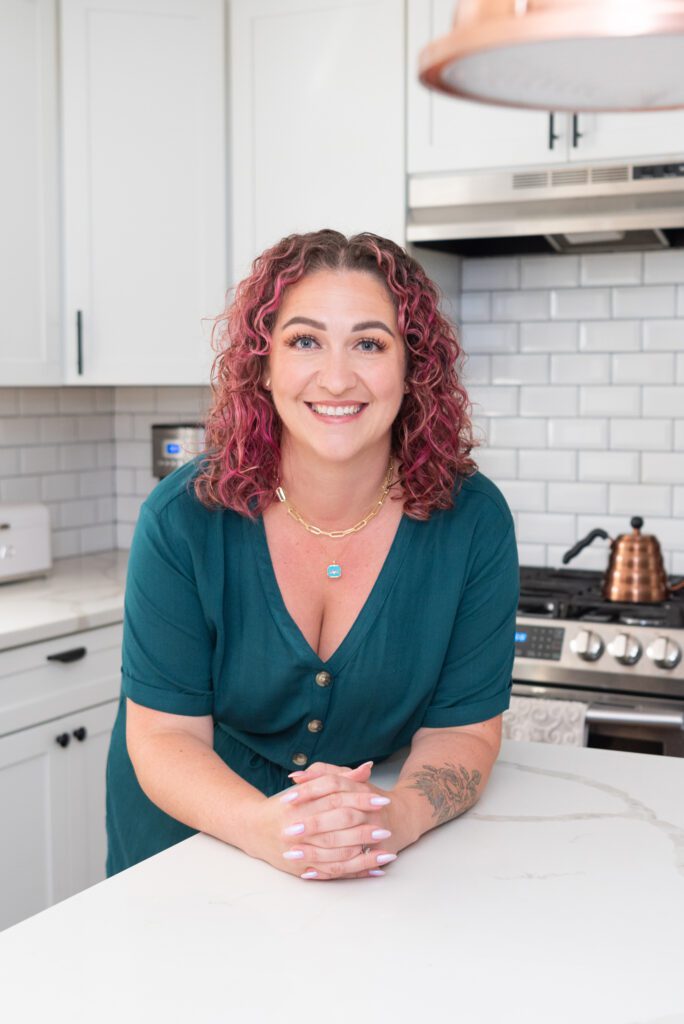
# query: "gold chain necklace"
[334,570]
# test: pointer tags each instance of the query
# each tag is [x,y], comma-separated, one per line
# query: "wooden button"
[323,679]
[315,725]
[300,759]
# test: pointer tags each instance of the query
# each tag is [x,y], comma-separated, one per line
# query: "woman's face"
[337,364]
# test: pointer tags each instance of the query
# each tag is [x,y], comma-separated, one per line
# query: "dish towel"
[542,720]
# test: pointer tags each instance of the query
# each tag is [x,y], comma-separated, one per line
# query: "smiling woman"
[271,617]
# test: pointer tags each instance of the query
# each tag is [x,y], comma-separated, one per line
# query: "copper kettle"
[635,573]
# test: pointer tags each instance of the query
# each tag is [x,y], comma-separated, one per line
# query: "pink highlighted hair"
[432,434]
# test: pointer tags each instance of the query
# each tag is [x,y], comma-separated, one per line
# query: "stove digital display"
[542,642]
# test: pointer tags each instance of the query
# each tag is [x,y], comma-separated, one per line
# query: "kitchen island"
[558,898]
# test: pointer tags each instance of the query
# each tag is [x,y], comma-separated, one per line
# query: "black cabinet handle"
[64,739]
[80,733]
[75,654]
[576,133]
[79,341]
[553,135]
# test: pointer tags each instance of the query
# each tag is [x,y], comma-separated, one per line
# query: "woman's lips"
[336,417]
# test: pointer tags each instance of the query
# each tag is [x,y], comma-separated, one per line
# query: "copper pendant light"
[575,55]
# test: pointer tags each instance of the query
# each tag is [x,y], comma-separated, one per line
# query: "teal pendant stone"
[334,571]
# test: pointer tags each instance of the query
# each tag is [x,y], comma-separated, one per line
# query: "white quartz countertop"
[80,593]
[559,898]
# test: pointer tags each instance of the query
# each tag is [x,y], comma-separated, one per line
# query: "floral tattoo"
[450,790]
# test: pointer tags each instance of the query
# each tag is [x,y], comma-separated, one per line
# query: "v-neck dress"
[206,632]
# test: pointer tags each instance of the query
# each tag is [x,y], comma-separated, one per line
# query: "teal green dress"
[206,632]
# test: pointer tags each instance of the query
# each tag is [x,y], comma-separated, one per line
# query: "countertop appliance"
[623,659]
[25,548]
[174,444]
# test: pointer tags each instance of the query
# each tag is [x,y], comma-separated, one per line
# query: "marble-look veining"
[79,593]
[558,898]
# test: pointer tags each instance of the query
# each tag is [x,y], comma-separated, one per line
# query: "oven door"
[644,725]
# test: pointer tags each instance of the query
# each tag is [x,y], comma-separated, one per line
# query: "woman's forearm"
[188,780]
[443,776]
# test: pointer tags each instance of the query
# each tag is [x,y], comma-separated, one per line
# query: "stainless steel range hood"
[599,208]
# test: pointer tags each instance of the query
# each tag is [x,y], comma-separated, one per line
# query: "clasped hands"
[333,823]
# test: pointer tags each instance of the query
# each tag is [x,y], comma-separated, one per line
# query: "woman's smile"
[330,412]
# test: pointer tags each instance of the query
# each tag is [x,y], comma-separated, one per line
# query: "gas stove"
[624,660]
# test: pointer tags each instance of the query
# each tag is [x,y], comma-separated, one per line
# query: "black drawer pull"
[64,739]
[75,654]
[80,733]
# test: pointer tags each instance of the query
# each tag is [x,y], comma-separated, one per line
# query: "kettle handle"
[581,544]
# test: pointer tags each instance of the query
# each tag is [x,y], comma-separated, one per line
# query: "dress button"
[315,725]
[323,679]
[300,758]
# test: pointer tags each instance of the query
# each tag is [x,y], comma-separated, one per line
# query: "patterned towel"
[542,720]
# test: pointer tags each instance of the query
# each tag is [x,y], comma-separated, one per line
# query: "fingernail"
[380,801]
[287,798]
[295,830]
[292,774]
[366,764]
[378,833]
[375,872]
[382,858]
[314,874]
[294,854]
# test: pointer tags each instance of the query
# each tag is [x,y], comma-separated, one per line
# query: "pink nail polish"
[378,833]
[385,858]
[380,801]
[293,854]
[287,798]
[314,874]
[296,830]
[375,872]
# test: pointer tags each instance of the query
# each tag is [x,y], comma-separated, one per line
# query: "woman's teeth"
[336,410]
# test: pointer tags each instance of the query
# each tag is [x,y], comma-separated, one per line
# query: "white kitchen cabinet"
[30,342]
[447,134]
[58,702]
[317,118]
[629,136]
[143,94]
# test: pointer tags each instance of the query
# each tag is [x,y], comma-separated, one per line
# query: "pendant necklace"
[334,570]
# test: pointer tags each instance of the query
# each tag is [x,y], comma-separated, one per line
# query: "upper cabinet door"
[629,136]
[446,134]
[30,344]
[317,104]
[144,188]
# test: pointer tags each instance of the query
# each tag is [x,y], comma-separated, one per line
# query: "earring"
[267,383]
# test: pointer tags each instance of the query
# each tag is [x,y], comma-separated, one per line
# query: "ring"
[365,849]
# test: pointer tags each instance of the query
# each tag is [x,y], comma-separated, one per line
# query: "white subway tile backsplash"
[546,528]
[530,305]
[9,461]
[524,495]
[97,538]
[77,456]
[641,435]
[134,454]
[135,399]
[611,268]
[581,304]
[124,535]
[664,267]
[532,554]
[578,497]
[124,481]
[94,428]
[60,486]
[680,300]
[580,369]
[663,401]
[66,543]
[19,430]
[547,465]
[183,403]
[663,335]
[128,507]
[680,369]
[610,401]
[97,483]
[144,481]
[56,428]
[42,458]
[589,433]
[640,499]
[489,338]
[644,368]
[20,488]
[549,337]
[497,463]
[647,301]
[594,557]
[9,402]
[475,306]
[545,401]
[77,400]
[663,467]
[520,369]
[670,532]
[105,454]
[548,272]
[38,401]
[610,336]
[613,466]
[494,401]
[678,502]
[473,369]
[486,274]
[82,512]
[677,563]
[679,433]
[518,433]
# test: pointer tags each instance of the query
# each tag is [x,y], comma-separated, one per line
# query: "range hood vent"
[602,208]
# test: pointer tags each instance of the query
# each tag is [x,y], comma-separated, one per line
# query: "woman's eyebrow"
[366,325]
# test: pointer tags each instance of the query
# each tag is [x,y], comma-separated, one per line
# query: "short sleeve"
[167,642]
[475,681]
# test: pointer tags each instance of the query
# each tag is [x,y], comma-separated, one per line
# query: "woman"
[330,582]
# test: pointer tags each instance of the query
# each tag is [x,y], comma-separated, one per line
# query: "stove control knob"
[664,652]
[587,645]
[625,648]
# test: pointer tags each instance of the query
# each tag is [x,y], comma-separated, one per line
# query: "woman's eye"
[303,341]
[371,345]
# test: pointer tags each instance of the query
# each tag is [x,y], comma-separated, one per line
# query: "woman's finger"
[319,768]
[339,863]
[326,785]
[343,826]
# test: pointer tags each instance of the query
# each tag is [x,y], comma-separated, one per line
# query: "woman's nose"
[337,374]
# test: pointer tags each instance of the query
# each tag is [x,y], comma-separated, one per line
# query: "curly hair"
[432,434]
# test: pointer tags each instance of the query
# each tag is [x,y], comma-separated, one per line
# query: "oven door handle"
[627,716]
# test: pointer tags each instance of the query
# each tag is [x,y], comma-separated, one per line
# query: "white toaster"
[24,541]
